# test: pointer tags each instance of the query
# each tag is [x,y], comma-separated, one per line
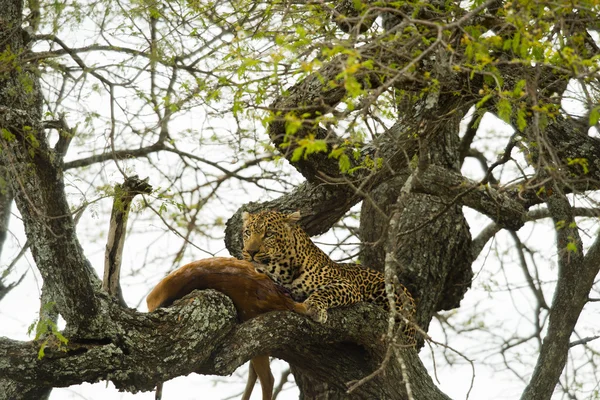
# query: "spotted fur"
[278,247]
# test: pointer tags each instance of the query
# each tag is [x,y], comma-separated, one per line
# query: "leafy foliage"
[47,332]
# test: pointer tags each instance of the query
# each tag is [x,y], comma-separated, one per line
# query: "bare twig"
[583,341]
[124,195]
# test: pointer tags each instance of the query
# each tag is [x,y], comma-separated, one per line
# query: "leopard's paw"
[317,314]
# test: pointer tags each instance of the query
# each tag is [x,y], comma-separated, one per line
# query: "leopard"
[278,247]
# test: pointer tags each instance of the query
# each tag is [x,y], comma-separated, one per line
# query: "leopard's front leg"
[270,272]
[331,296]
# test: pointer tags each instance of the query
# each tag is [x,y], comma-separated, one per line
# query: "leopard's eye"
[269,234]
[247,232]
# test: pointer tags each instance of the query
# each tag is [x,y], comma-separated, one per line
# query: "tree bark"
[136,349]
[6,199]
[576,276]
[34,173]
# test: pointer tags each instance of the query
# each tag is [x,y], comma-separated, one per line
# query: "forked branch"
[124,195]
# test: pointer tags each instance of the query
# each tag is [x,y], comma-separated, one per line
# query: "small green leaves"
[292,124]
[340,153]
[352,86]
[7,135]
[481,102]
[571,246]
[162,209]
[344,163]
[582,162]
[594,115]
[562,224]
[521,120]
[308,146]
[518,91]
[46,329]
[515,42]
[504,110]
[300,31]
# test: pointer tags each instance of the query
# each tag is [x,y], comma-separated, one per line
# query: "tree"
[365,101]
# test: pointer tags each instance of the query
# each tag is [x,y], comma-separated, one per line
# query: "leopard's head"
[268,237]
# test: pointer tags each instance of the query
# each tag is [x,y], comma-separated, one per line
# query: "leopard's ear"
[245,216]
[293,217]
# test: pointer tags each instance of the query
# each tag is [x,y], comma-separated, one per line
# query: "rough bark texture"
[134,350]
[201,335]
[5,206]
[36,181]
[375,220]
[575,279]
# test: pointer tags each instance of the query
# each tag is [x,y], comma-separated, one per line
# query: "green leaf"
[297,154]
[31,327]
[292,124]
[352,86]
[524,50]
[314,146]
[344,163]
[583,162]
[521,120]
[518,90]
[337,152]
[469,51]
[504,110]
[571,247]
[41,329]
[483,100]
[60,336]
[537,53]
[41,351]
[594,115]
[7,135]
[515,42]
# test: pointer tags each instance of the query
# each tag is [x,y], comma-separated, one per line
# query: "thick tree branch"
[317,95]
[33,170]
[136,349]
[6,199]
[572,153]
[132,349]
[47,219]
[575,279]
[123,198]
[116,155]
[456,189]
